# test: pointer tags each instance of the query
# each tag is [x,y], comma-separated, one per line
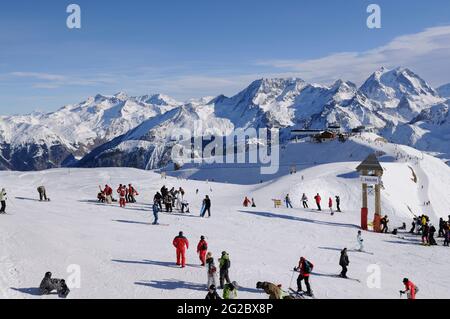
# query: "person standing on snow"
[425,233]
[305,268]
[155,213]
[181,244]
[330,205]
[132,193]
[338,203]
[318,200]
[206,206]
[122,195]
[384,224]
[410,289]
[246,202]
[288,201]
[431,233]
[253,203]
[3,199]
[305,201]
[446,234]
[360,241]
[202,249]
[344,262]
[42,194]
[224,267]
[211,270]
[108,194]
[441,227]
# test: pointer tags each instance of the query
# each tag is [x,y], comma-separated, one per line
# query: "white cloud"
[427,53]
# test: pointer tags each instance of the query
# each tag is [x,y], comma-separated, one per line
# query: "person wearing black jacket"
[431,233]
[158,200]
[212,293]
[338,203]
[48,285]
[344,262]
[441,227]
[206,206]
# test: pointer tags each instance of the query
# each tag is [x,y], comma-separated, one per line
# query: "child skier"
[155,212]
[212,293]
[211,270]
[360,241]
[202,248]
[122,191]
[330,206]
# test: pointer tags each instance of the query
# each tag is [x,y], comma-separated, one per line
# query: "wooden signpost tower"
[371,171]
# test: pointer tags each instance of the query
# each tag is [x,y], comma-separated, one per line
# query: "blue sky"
[194,48]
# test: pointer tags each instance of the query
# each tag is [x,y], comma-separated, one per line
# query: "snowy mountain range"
[137,131]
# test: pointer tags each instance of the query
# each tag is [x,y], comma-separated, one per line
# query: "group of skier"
[181,244]
[421,225]
[318,201]
[127,194]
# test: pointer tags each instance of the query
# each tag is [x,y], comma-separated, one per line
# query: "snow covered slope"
[122,256]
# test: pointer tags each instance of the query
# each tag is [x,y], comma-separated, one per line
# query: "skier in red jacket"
[122,191]
[305,268]
[410,289]
[202,248]
[181,244]
[318,200]
[330,205]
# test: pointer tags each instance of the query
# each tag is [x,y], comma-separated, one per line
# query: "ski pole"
[292,278]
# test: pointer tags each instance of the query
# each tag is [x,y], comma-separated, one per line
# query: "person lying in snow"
[49,284]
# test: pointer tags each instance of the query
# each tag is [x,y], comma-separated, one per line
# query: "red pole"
[364,216]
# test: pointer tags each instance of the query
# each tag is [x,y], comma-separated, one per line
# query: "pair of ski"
[300,294]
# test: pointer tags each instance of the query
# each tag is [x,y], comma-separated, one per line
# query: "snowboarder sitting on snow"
[3,199]
[230,290]
[274,291]
[48,284]
[42,194]
[224,266]
[305,268]
[344,262]
[184,206]
[212,293]
[410,289]
[101,197]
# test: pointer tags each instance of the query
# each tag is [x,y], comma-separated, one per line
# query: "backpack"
[308,267]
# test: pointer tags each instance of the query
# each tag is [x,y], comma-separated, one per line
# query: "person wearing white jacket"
[360,241]
[3,201]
